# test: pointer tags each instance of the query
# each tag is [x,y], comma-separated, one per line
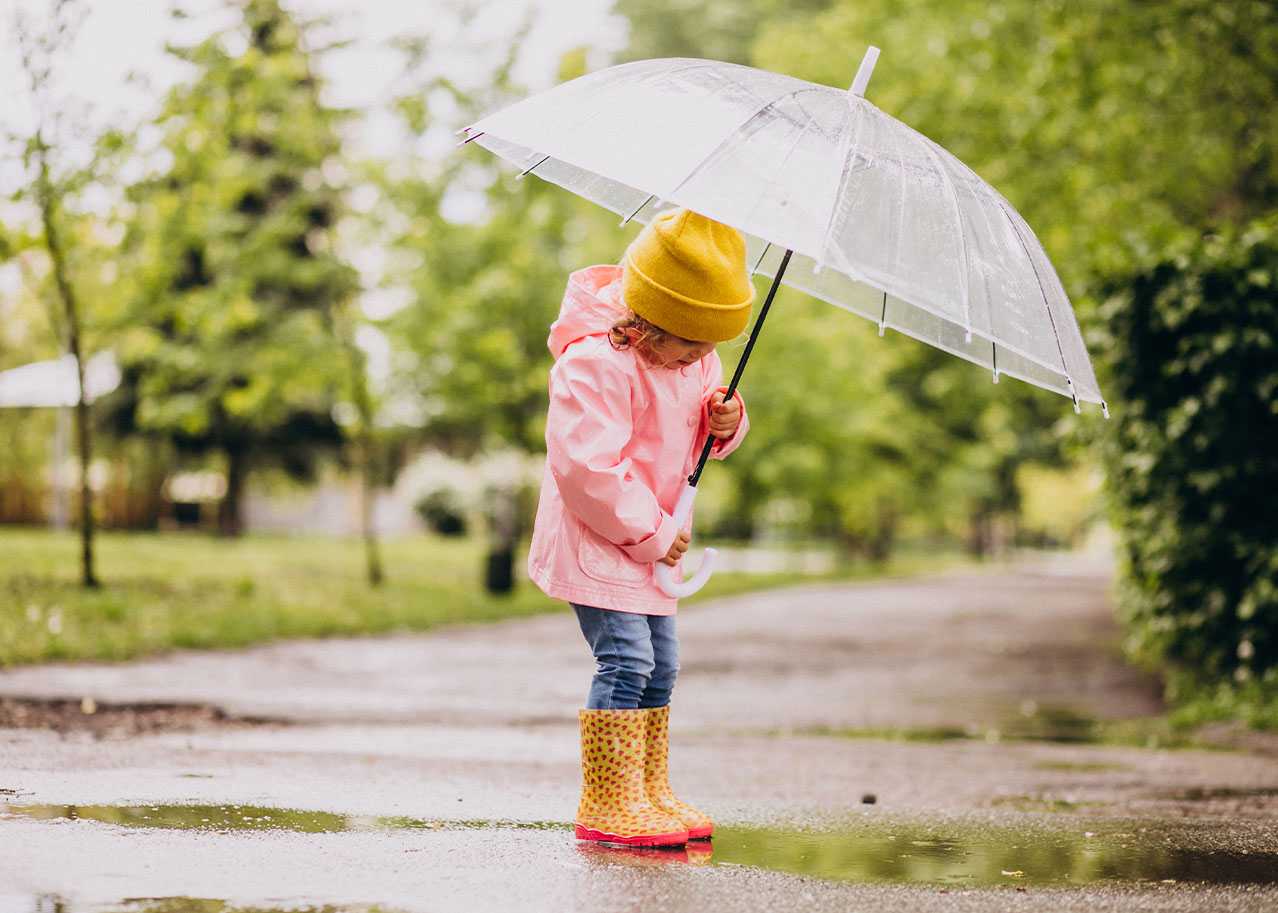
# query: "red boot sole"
[674,838]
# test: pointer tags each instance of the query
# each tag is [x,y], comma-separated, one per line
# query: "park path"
[974,651]
[967,697]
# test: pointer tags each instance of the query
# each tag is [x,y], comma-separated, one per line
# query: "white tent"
[54,382]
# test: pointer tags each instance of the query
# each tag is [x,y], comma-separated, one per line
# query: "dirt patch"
[105,721]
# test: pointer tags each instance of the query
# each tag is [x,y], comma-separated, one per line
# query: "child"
[634,391]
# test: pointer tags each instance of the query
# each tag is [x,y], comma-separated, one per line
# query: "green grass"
[165,591]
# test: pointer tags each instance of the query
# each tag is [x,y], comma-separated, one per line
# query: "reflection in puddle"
[226,818]
[874,851]
[989,856]
[207,905]
[698,852]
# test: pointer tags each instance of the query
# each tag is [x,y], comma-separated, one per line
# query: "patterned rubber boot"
[656,777]
[614,807]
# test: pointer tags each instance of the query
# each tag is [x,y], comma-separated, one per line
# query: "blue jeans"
[637,656]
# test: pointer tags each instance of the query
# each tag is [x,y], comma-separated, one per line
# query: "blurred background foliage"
[279,302]
[230,285]
[1193,465]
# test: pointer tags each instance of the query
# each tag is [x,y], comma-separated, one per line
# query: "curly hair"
[646,338]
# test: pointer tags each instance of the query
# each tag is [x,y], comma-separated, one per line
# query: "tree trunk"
[980,533]
[880,544]
[365,442]
[503,522]
[71,313]
[230,513]
[372,554]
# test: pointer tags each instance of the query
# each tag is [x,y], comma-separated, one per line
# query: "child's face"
[677,352]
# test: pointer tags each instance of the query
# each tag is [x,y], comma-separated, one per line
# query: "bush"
[1193,458]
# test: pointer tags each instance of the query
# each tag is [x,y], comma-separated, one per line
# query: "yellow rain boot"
[656,777]
[614,807]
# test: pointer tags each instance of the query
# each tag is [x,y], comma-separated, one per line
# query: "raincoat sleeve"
[712,382]
[588,427]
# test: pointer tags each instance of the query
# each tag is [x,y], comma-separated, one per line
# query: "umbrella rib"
[530,168]
[850,145]
[1047,306]
[958,209]
[626,220]
[900,222]
[767,246]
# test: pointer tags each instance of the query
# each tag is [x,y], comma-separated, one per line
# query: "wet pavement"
[958,743]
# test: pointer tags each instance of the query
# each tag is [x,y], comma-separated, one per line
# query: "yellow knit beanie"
[687,275]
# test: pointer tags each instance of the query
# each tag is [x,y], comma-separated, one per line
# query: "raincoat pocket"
[600,560]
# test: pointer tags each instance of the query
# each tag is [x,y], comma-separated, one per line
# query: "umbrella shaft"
[745,356]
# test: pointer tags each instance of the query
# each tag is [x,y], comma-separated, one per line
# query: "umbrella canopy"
[881,220]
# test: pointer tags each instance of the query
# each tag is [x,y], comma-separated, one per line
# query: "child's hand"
[677,548]
[724,417]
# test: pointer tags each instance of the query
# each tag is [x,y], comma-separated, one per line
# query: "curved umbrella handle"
[664,573]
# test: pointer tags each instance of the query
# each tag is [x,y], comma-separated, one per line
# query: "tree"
[724,30]
[52,184]
[1194,455]
[229,346]
[486,287]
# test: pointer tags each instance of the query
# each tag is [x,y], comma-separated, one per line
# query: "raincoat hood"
[592,304]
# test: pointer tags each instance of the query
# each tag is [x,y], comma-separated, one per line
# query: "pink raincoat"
[621,440]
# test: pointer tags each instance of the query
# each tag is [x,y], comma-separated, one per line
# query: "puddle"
[988,856]
[873,851]
[207,905]
[12,902]
[228,818]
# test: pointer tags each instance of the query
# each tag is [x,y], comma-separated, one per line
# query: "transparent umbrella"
[835,197]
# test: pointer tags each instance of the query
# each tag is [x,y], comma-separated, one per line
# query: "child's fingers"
[724,415]
[724,418]
[677,548]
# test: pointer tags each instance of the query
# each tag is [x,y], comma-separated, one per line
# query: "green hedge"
[1192,358]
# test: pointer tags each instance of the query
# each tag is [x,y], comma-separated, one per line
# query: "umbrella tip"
[864,72]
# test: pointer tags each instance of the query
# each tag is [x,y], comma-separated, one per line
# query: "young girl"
[634,392]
